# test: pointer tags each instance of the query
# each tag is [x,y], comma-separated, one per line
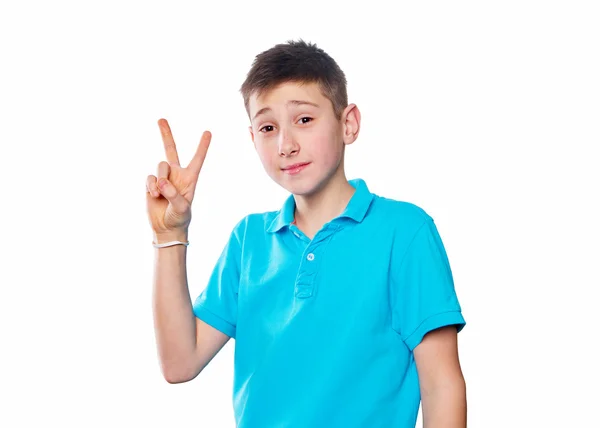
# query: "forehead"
[279,97]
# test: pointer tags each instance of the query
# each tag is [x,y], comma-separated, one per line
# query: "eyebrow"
[290,102]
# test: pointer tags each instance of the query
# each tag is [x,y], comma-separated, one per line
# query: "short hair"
[297,61]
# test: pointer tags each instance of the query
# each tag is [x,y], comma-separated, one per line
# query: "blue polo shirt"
[325,328]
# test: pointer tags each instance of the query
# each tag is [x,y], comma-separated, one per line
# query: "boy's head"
[295,97]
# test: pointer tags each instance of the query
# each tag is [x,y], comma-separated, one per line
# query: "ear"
[350,123]
[251,133]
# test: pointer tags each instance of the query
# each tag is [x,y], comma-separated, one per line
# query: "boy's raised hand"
[169,206]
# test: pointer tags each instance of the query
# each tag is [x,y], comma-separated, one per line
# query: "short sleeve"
[423,297]
[217,303]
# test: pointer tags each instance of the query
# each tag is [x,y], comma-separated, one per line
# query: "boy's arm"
[443,389]
[185,343]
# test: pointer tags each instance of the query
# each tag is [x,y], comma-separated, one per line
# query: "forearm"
[174,322]
[445,406]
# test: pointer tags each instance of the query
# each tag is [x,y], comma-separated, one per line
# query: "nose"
[286,144]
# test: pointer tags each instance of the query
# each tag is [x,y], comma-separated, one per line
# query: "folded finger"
[151,186]
[163,170]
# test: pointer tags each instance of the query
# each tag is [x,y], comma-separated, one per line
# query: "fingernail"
[162,182]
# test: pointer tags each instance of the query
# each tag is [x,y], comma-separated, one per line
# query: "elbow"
[179,376]
[171,379]
[174,378]
[178,370]
[175,375]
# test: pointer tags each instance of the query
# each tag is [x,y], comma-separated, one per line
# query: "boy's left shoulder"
[396,212]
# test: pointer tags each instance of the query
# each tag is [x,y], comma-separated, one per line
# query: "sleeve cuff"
[433,322]
[214,320]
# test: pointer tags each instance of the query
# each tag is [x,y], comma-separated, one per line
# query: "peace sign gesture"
[169,202]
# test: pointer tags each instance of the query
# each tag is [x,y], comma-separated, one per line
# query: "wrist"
[161,238]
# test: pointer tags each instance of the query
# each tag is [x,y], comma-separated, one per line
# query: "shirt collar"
[356,209]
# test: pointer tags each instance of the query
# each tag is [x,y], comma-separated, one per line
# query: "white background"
[485,114]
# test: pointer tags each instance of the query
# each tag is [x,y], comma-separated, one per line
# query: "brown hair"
[297,61]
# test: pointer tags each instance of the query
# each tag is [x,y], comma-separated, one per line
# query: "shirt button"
[310,257]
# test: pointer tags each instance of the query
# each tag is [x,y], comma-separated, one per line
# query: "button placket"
[311,261]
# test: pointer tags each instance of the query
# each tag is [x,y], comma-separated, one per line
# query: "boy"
[342,302]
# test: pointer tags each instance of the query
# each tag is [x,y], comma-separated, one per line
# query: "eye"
[268,126]
[306,117]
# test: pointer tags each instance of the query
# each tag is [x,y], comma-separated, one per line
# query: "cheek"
[268,158]
[326,151]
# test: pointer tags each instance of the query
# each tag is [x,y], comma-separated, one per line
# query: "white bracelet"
[168,244]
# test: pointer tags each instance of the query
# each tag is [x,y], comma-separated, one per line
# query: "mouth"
[295,168]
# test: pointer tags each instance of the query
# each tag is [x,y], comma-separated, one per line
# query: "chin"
[304,186]
[297,188]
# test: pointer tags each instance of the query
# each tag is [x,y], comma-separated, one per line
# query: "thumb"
[166,188]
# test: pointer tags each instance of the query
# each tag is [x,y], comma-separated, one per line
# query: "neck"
[313,211]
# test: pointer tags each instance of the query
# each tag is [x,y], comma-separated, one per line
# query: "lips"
[295,168]
[296,165]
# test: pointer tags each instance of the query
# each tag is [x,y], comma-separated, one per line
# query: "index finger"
[169,143]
